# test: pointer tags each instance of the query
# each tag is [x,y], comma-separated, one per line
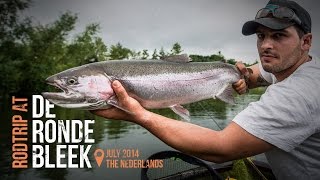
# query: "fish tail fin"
[225,94]
[181,111]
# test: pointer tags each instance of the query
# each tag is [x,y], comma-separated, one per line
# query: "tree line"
[31,52]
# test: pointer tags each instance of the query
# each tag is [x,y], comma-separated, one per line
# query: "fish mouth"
[68,98]
[64,98]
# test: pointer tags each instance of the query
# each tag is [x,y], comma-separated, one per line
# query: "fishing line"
[247,159]
[200,103]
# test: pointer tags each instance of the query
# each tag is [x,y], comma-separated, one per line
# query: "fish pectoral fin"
[113,101]
[183,58]
[181,111]
[225,94]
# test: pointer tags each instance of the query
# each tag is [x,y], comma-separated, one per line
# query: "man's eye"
[260,36]
[278,35]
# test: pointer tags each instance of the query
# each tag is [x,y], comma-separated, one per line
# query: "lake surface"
[120,135]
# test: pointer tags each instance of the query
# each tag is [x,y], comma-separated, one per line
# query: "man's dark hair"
[299,31]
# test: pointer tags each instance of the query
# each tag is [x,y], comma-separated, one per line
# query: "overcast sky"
[200,26]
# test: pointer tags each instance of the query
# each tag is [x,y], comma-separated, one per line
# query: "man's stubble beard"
[286,63]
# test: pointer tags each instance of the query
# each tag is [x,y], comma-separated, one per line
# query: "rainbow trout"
[155,84]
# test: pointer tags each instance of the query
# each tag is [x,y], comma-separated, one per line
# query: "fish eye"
[72,81]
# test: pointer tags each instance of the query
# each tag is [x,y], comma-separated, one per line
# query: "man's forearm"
[186,137]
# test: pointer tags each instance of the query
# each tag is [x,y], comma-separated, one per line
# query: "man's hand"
[241,86]
[126,102]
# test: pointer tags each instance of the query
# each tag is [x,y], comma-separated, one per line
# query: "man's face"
[278,49]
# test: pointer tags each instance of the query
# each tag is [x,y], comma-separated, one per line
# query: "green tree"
[176,49]
[145,54]
[211,58]
[9,19]
[135,54]
[162,53]
[87,47]
[119,52]
[231,61]
[155,54]
[11,27]
[35,52]
[44,53]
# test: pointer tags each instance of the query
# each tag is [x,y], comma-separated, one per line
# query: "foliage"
[176,49]
[30,53]
[134,54]
[211,58]
[145,54]
[87,47]
[162,54]
[231,61]
[8,16]
[119,52]
[243,170]
[155,54]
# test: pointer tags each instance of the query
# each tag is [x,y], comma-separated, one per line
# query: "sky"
[201,27]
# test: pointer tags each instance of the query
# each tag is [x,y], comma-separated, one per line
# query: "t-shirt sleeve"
[280,118]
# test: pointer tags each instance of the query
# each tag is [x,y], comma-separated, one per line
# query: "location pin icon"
[99,155]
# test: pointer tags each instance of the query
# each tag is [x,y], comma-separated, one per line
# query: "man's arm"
[218,146]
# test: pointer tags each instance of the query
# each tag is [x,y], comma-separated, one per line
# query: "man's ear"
[306,41]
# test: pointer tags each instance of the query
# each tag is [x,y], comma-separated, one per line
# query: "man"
[284,123]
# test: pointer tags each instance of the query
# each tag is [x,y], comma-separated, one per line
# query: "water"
[112,134]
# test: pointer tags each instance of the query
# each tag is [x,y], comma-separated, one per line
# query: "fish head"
[83,87]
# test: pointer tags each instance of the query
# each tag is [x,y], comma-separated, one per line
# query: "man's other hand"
[241,87]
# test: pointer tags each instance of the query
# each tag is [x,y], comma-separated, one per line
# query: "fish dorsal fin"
[225,94]
[183,58]
[181,111]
